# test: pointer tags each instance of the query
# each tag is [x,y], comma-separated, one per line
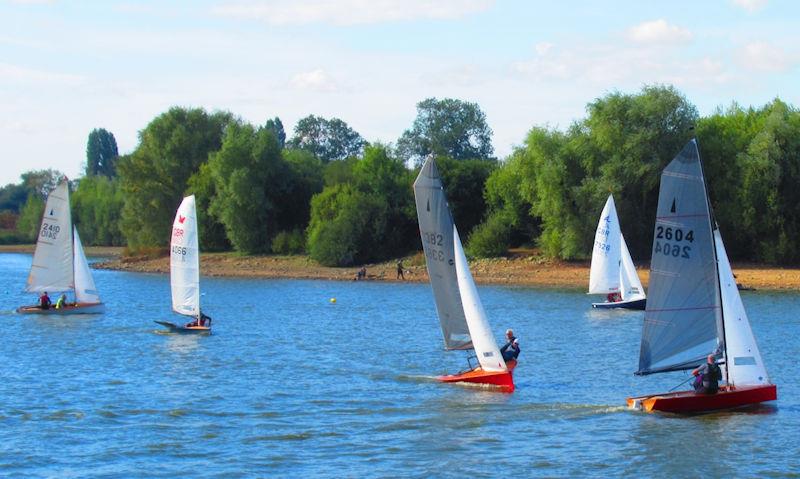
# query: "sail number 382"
[671,246]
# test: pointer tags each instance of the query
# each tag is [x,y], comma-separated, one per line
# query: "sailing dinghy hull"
[638,304]
[174,328]
[691,402]
[80,308]
[503,380]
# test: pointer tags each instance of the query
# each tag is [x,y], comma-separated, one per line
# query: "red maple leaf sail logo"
[181,219]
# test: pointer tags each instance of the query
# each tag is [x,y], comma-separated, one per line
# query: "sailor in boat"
[62,301]
[44,301]
[511,349]
[203,321]
[707,377]
[614,297]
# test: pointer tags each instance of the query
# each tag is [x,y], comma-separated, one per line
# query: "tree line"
[328,192]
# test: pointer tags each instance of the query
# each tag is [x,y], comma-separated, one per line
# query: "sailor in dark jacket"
[511,349]
[708,377]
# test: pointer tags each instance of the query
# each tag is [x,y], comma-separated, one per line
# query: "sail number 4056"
[675,235]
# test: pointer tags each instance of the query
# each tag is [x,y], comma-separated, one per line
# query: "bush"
[490,238]
[289,242]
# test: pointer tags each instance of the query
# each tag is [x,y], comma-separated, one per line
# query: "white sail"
[630,284]
[604,275]
[482,340]
[744,363]
[185,260]
[52,267]
[85,291]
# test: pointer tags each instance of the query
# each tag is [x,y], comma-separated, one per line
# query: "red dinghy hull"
[691,402]
[504,380]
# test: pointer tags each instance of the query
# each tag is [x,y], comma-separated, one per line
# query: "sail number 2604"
[675,242]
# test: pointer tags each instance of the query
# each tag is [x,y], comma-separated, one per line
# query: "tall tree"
[97,209]
[448,127]
[101,153]
[328,140]
[249,175]
[275,125]
[155,176]
[41,182]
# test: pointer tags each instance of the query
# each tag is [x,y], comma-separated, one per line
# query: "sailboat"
[694,308]
[461,315]
[59,263]
[613,272]
[184,267]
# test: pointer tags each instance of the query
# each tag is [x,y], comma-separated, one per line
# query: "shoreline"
[520,268]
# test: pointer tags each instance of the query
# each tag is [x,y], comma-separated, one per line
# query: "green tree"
[328,140]
[101,153]
[41,182]
[448,127]
[249,175]
[212,234]
[97,209]
[464,182]
[368,219]
[155,176]
[13,197]
[275,125]
[30,218]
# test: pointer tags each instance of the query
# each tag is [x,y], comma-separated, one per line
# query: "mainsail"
[683,319]
[604,274]
[185,260]
[85,291]
[612,268]
[437,230]
[52,267]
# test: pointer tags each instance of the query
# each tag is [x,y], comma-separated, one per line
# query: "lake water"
[292,385]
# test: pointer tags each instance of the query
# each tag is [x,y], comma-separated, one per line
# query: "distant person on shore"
[400,270]
[44,301]
[511,349]
[62,301]
[707,377]
[361,274]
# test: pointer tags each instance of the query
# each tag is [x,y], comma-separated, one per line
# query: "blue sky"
[69,67]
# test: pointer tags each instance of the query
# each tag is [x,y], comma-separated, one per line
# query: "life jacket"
[712,377]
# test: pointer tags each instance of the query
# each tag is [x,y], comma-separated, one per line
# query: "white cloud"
[315,80]
[543,47]
[350,12]
[764,57]
[658,31]
[33,2]
[750,5]
[17,74]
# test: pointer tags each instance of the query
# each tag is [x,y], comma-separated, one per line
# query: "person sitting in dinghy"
[707,377]
[44,301]
[62,301]
[511,349]
[203,320]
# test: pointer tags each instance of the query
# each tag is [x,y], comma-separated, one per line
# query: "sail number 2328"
[672,242]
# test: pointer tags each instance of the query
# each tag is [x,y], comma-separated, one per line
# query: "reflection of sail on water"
[185,260]
[683,320]
[461,314]
[612,269]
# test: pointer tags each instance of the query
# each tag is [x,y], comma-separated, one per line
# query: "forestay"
[683,321]
[744,363]
[185,261]
[85,291]
[437,231]
[482,339]
[52,267]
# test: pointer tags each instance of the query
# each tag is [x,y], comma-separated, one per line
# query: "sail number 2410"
[671,242]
